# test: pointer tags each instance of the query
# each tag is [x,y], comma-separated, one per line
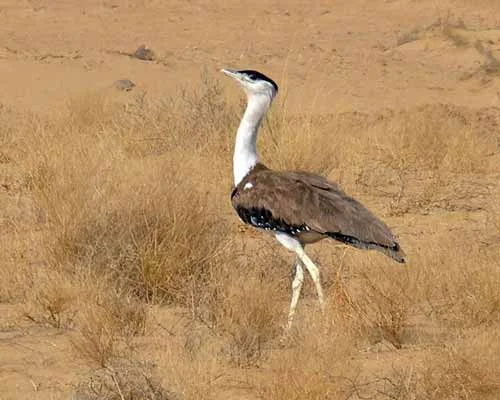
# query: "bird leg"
[314,272]
[296,288]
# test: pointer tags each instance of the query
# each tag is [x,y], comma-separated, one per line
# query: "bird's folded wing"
[297,199]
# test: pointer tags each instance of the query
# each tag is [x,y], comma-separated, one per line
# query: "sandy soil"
[335,54]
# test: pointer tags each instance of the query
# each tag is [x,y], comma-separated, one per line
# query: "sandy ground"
[334,54]
[326,55]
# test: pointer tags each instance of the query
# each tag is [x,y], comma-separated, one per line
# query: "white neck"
[245,151]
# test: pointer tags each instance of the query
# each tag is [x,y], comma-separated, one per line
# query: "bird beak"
[232,73]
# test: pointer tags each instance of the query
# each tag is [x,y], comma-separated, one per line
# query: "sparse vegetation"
[447,26]
[128,380]
[491,63]
[107,321]
[131,231]
[119,240]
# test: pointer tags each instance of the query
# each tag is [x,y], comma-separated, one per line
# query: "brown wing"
[314,180]
[298,202]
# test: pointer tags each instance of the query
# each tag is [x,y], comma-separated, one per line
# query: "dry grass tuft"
[400,384]
[319,366]
[300,142]
[411,157]
[450,29]
[51,299]
[107,322]
[446,26]
[193,121]
[246,303]
[455,372]
[466,292]
[135,219]
[125,381]
[6,134]
[146,245]
[382,307]
[461,373]
[491,64]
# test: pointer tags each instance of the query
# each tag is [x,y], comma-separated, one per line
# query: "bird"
[298,207]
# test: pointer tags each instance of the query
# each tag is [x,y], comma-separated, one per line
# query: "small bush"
[107,322]
[247,304]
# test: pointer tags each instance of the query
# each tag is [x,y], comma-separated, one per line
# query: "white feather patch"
[248,186]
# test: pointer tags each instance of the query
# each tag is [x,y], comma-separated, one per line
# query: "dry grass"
[491,63]
[124,229]
[318,366]
[456,372]
[106,323]
[446,26]
[124,381]
[466,292]
[131,219]
[463,371]
[409,157]
[246,305]
[51,299]
[383,307]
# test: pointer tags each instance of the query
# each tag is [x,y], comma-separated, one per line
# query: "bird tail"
[395,251]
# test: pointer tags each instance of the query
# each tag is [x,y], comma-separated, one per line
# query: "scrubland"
[129,249]
[125,273]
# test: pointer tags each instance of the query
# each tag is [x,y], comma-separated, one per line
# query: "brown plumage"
[310,207]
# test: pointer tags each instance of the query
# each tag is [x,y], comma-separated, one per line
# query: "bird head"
[253,82]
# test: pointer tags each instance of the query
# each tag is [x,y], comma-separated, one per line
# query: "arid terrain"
[125,273]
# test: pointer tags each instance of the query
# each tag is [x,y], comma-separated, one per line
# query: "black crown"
[256,75]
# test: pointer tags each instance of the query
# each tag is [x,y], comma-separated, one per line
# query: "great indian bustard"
[298,207]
